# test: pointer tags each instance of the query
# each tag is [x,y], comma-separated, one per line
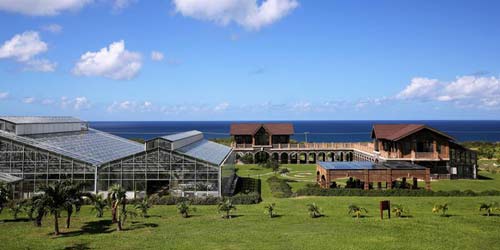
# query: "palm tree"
[357,211]
[271,210]
[99,205]
[440,208]
[314,210]
[143,207]
[4,196]
[399,210]
[184,209]
[74,199]
[226,207]
[16,207]
[118,199]
[489,207]
[52,200]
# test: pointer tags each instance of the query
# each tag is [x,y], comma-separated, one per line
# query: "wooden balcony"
[361,146]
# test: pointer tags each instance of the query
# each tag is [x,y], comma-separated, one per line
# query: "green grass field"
[465,228]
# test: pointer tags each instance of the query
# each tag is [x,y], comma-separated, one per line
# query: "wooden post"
[428,179]
[366,179]
[385,205]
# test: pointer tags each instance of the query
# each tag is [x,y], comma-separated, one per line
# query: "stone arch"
[311,157]
[330,156]
[321,156]
[302,159]
[294,158]
[284,158]
[317,176]
[261,156]
[275,157]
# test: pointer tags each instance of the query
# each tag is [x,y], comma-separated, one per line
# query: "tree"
[489,208]
[184,209]
[357,211]
[4,196]
[53,200]
[399,210]
[99,204]
[143,207]
[271,210]
[16,207]
[74,199]
[314,210]
[226,207]
[118,199]
[440,208]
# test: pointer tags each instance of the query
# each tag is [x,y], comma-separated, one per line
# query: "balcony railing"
[362,146]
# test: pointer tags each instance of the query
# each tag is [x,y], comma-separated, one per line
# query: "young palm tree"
[4,196]
[357,211]
[16,207]
[52,200]
[74,199]
[118,199]
[226,207]
[399,210]
[271,210]
[314,210]
[99,204]
[143,207]
[440,208]
[489,208]
[184,209]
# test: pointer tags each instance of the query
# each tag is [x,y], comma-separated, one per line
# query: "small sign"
[385,205]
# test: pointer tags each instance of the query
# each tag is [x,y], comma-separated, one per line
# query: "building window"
[424,146]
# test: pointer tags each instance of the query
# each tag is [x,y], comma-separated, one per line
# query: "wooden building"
[425,146]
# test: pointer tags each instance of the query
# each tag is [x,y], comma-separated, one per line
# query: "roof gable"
[394,132]
[252,128]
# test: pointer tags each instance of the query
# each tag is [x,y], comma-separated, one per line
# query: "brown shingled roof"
[252,128]
[396,132]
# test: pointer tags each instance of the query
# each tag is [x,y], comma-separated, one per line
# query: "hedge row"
[315,190]
[238,199]
[279,187]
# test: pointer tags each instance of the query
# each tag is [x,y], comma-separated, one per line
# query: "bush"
[315,190]
[173,200]
[246,199]
[247,159]
[279,187]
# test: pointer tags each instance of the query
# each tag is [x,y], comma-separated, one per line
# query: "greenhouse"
[35,151]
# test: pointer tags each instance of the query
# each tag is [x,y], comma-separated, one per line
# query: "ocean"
[312,131]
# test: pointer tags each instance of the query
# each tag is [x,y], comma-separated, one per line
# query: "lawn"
[465,228]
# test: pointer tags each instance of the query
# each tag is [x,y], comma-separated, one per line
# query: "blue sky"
[250,60]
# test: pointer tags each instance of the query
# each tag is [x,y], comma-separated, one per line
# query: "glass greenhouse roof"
[7,178]
[98,146]
[206,150]
[180,136]
[40,119]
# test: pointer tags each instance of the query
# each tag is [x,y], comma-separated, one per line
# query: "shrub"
[356,211]
[440,208]
[225,207]
[489,208]
[173,200]
[184,209]
[247,159]
[279,187]
[271,210]
[399,210]
[246,199]
[314,210]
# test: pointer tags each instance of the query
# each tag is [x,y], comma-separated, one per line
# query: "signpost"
[385,205]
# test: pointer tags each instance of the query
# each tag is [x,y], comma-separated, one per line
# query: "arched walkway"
[261,157]
[284,158]
[321,156]
[302,158]
[312,158]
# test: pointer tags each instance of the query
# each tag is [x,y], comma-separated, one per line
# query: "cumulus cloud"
[113,62]
[53,28]
[29,100]
[24,48]
[130,106]
[42,8]
[472,91]
[157,56]
[77,103]
[247,13]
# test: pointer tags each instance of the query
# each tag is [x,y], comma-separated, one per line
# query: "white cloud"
[47,102]
[29,100]
[122,4]
[77,103]
[157,56]
[419,87]
[130,106]
[221,107]
[114,62]
[247,13]
[53,28]
[24,48]
[467,91]
[41,8]
[41,65]
[4,95]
